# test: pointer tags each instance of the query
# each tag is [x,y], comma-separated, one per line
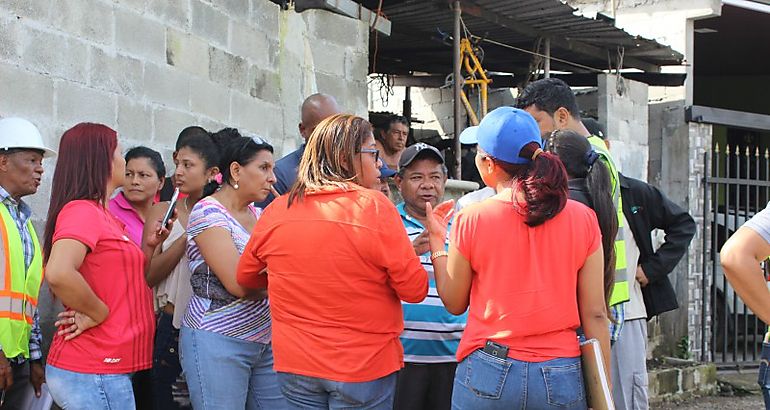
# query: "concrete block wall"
[149,68]
[622,109]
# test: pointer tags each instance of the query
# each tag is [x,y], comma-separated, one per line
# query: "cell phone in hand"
[171,207]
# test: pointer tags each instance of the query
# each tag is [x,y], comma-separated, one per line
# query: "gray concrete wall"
[622,109]
[669,171]
[150,68]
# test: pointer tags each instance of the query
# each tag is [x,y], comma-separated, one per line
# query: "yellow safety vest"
[620,292]
[20,287]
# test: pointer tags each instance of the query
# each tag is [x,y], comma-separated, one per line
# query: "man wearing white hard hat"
[21,262]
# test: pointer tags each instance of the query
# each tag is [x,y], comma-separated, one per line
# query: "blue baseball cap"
[468,136]
[505,131]
[386,172]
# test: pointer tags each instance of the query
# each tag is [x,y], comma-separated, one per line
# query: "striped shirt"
[212,307]
[21,212]
[431,334]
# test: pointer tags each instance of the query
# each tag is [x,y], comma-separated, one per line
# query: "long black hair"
[234,147]
[582,161]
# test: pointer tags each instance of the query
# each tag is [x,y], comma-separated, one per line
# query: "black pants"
[165,362]
[425,386]
[21,388]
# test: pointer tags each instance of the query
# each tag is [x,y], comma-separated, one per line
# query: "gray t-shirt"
[760,223]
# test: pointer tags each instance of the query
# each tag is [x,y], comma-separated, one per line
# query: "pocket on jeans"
[485,374]
[564,384]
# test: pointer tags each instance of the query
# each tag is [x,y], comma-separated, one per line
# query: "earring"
[235,185]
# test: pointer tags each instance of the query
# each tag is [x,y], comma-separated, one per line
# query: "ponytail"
[543,181]
[600,191]
[582,161]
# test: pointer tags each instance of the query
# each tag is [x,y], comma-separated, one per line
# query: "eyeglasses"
[376,153]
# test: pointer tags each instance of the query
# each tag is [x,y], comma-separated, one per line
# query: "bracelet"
[438,254]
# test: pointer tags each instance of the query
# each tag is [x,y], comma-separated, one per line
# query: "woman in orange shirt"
[528,265]
[339,265]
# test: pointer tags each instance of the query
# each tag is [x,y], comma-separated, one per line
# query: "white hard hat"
[20,133]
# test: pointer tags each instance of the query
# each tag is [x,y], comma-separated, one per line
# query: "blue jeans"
[225,373]
[764,374]
[484,381]
[305,392]
[85,391]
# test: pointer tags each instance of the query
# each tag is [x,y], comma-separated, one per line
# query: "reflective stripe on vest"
[620,291]
[20,287]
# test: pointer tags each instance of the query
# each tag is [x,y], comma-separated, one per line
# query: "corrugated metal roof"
[421,31]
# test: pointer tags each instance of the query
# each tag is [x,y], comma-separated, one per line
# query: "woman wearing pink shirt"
[145,174]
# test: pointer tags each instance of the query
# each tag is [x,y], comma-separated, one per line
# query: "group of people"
[297,283]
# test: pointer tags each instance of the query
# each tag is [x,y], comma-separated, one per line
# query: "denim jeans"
[484,381]
[764,374]
[305,392]
[84,391]
[165,362]
[225,373]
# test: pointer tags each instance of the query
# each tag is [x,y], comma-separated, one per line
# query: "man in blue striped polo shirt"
[431,334]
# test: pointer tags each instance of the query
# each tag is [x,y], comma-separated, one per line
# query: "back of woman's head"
[542,181]
[582,161]
[83,170]
[511,138]
[152,156]
[329,154]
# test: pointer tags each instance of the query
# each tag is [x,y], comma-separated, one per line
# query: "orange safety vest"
[20,287]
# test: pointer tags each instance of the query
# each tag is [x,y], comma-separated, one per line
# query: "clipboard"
[598,394]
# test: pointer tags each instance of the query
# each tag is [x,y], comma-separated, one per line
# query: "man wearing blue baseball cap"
[386,174]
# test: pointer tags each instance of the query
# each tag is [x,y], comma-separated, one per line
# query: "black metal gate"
[736,187]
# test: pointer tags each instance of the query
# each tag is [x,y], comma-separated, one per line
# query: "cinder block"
[134,120]
[265,16]
[256,116]
[138,5]
[356,65]
[265,84]
[335,86]
[140,36]
[227,69]
[28,9]
[254,45]
[209,99]
[116,73]
[297,44]
[187,52]
[329,58]
[26,94]
[75,104]
[168,123]
[237,9]
[9,39]
[334,28]
[54,54]
[167,86]
[176,12]
[209,23]
[93,20]
[356,99]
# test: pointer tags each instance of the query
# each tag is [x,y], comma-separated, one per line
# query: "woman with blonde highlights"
[338,264]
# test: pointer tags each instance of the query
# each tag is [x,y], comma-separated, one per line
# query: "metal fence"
[736,187]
